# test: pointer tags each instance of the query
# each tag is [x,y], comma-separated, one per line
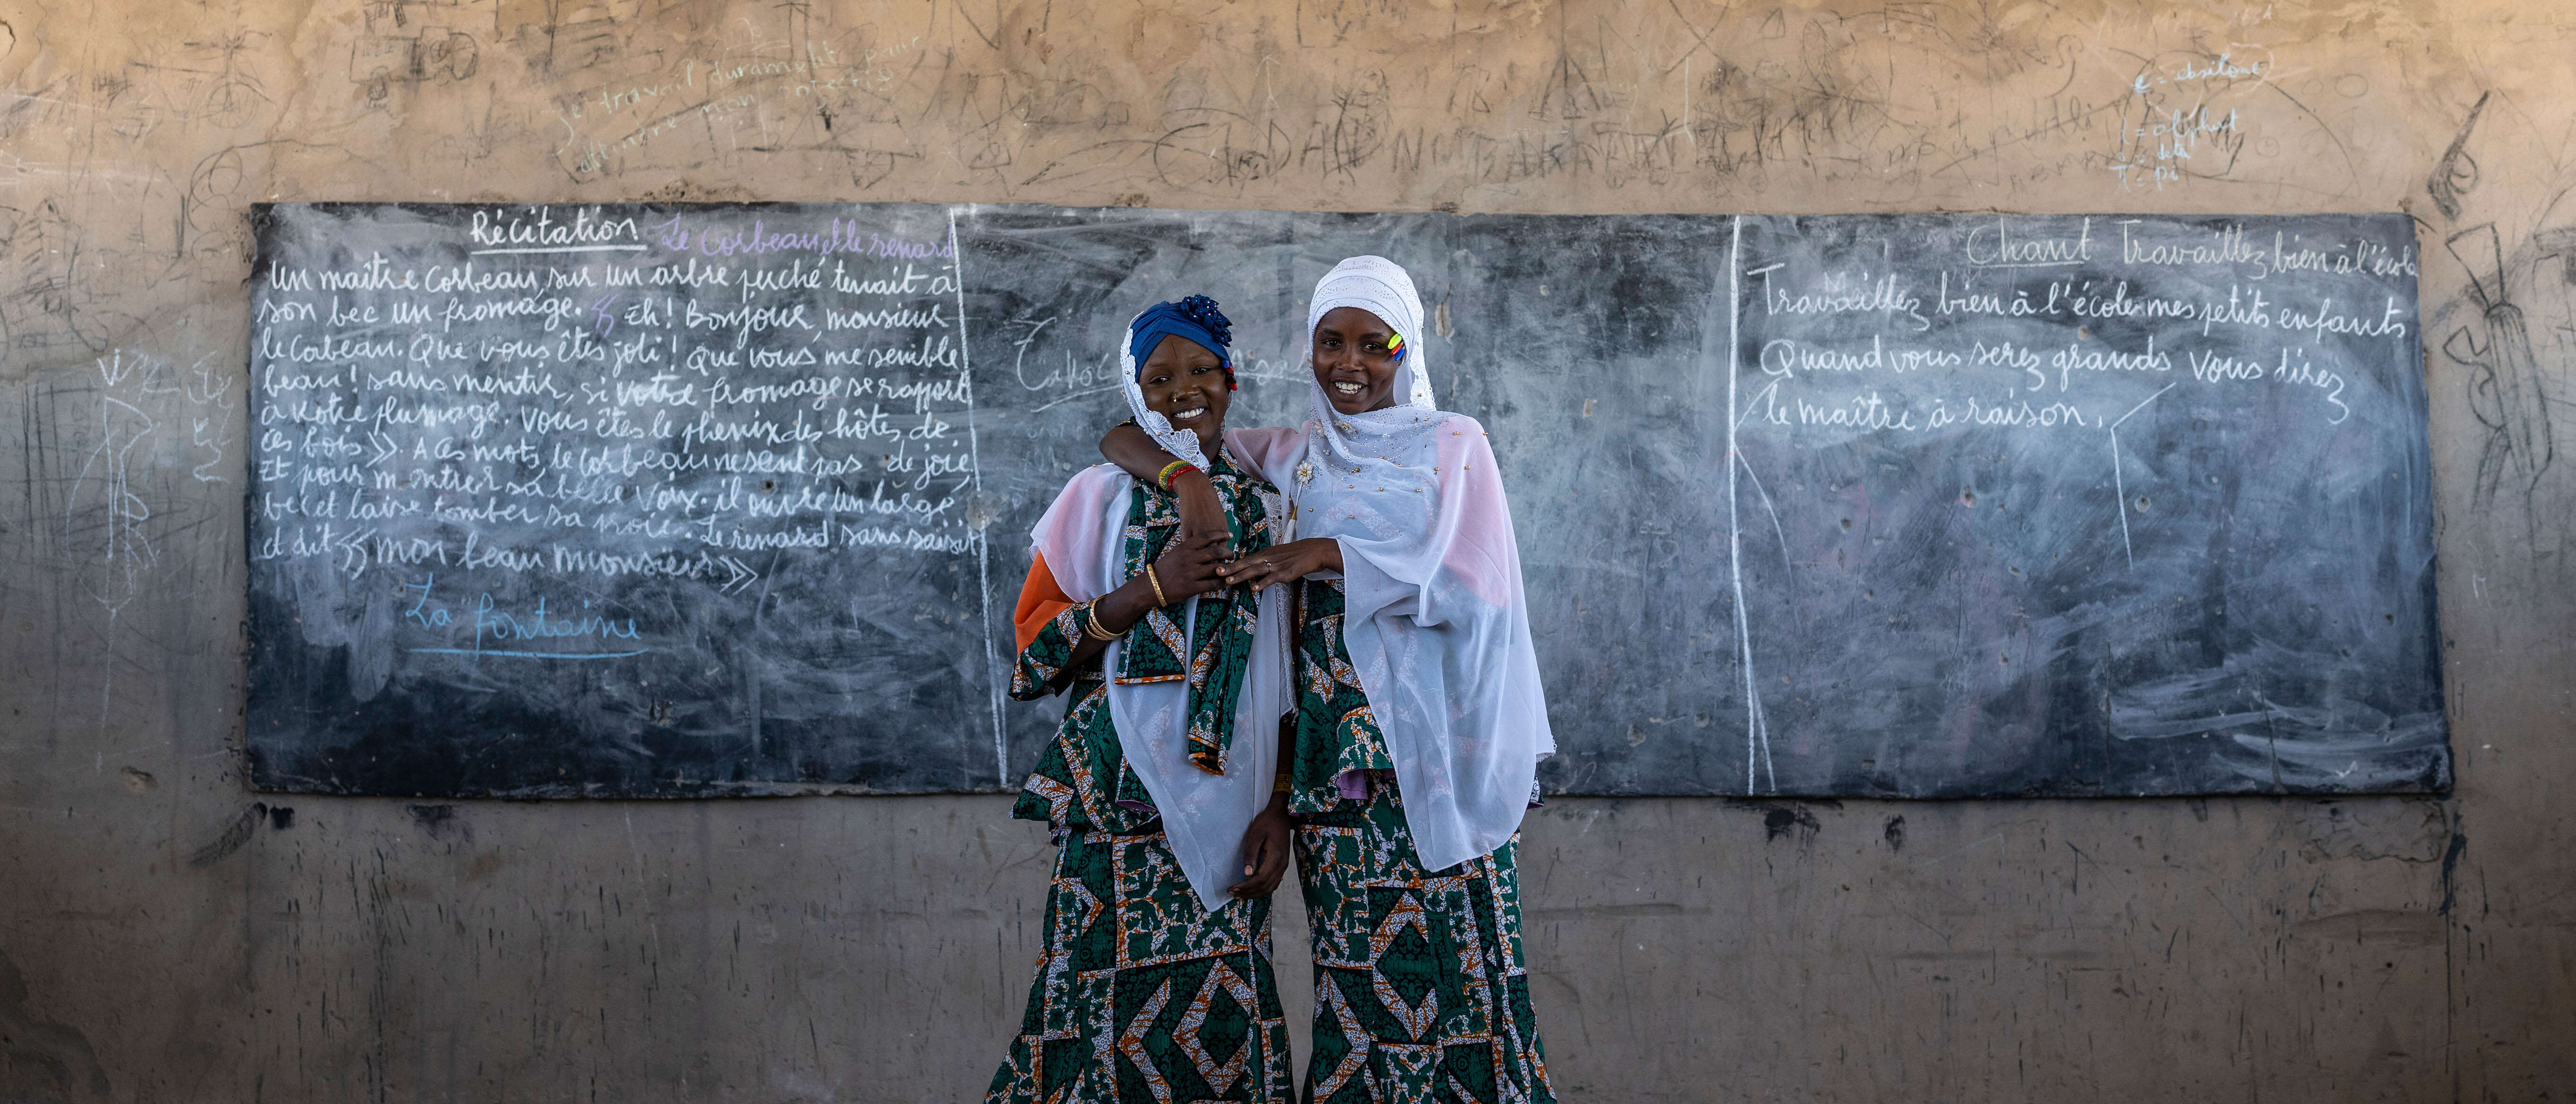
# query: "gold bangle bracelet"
[1092,627]
[1159,600]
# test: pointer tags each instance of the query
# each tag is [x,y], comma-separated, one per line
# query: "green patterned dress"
[1142,995]
[1421,990]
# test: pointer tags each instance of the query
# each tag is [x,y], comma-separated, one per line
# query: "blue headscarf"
[1195,319]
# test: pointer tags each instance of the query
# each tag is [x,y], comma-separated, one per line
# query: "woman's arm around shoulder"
[1270,450]
[1128,446]
[1133,450]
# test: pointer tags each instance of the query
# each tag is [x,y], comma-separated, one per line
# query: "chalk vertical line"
[983,540]
[1776,530]
[1756,741]
[1762,723]
[2120,489]
[2120,492]
[1762,718]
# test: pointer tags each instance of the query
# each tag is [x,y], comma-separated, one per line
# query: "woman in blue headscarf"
[1420,717]
[1155,983]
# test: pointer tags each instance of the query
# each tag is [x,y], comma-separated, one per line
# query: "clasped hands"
[1206,543]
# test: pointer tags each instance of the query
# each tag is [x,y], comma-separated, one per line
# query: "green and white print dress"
[1142,995]
[1421,991]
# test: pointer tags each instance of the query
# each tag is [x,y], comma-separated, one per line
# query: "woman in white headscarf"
[1420,716]
[1155,982]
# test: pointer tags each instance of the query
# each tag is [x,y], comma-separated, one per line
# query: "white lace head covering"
[1433,611]
[1181,443]
[1083,537]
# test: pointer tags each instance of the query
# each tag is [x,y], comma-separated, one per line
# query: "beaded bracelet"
[1169,470]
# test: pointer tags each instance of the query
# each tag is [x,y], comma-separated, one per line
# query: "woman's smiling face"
[1353,362]
[1185,383]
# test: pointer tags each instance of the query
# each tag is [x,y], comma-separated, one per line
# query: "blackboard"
[2186,551]
[2100,505]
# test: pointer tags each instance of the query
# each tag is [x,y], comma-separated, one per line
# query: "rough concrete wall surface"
[166,935]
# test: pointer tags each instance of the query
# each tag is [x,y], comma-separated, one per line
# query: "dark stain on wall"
[234,836]
[42,1060]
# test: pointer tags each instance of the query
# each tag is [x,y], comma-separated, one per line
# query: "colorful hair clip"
[1395,348]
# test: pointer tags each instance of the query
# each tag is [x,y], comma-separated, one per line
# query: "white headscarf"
[1083,537]
[1433,611]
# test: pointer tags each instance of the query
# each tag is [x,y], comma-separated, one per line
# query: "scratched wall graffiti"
[2506,336]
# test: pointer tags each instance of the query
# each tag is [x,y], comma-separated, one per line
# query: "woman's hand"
[1265,852]
[1282,563]
[1188,567]
[1193,565]
[1202,512]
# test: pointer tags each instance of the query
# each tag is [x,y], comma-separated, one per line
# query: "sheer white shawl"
[1433,611]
